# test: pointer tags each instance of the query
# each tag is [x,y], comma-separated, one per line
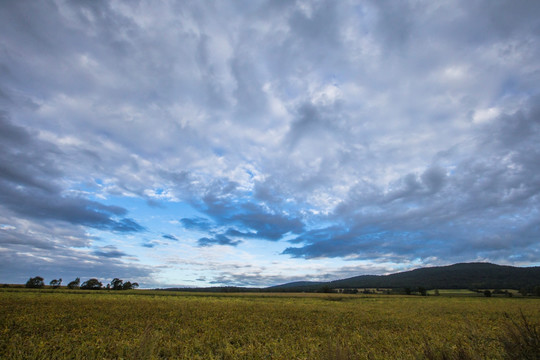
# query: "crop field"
[62,324]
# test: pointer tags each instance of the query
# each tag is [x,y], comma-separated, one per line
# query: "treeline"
[91,284]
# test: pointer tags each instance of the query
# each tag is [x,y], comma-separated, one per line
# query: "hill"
[457,276]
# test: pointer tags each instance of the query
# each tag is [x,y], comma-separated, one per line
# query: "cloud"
[229,206]
[32,185]
[109,251]
[218,239]
[55,251]
[200,224]
[170,237]
[461,212]
[376,130]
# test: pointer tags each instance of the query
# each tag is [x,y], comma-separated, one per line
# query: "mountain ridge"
[473,275]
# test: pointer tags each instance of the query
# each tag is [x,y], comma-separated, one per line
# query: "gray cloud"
[31,185]
[468,211]
[109,251]
[249,217]
[218,239]
[373,130]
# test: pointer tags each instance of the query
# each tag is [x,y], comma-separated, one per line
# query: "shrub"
[432,351]
[521,339]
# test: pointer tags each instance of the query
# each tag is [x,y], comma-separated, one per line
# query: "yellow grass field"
[61,324]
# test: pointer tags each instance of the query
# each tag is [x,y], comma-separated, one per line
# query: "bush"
[521,339]
[437,351]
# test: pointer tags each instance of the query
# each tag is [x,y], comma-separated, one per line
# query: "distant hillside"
[457,276]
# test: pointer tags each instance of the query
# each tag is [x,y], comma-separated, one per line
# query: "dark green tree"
[35,282]
[487,293]
[55,284]
[325,289]
[92,284]
[408,291]
[128,285]
[74,284]
[117,284]
[422,290]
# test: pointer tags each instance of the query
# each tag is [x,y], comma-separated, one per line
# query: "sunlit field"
[46,324]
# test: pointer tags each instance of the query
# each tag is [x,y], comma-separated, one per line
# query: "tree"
[422,290]
[92,284]
[325,289]
[128,285]
[56,283]
[117,284]
[74,284]
[35,282]
[408,291]
[487,293]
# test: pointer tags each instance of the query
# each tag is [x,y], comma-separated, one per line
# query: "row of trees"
[91,284]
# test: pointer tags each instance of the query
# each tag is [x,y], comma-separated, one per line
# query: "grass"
[60,324]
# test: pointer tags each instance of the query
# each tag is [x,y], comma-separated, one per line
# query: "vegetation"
[144,324]
[35,283]
[55,283]
[92,284]
[74,284]
[119,284]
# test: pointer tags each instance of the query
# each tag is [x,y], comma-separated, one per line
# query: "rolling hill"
[457,276]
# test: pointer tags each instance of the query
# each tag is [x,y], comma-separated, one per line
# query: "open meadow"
[140,324]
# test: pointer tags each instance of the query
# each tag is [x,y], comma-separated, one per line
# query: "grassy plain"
[61,324]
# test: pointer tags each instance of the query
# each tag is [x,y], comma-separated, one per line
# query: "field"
[62,324]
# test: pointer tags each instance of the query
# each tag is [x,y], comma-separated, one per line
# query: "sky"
[254,143]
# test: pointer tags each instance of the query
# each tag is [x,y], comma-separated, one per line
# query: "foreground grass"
[146,325]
